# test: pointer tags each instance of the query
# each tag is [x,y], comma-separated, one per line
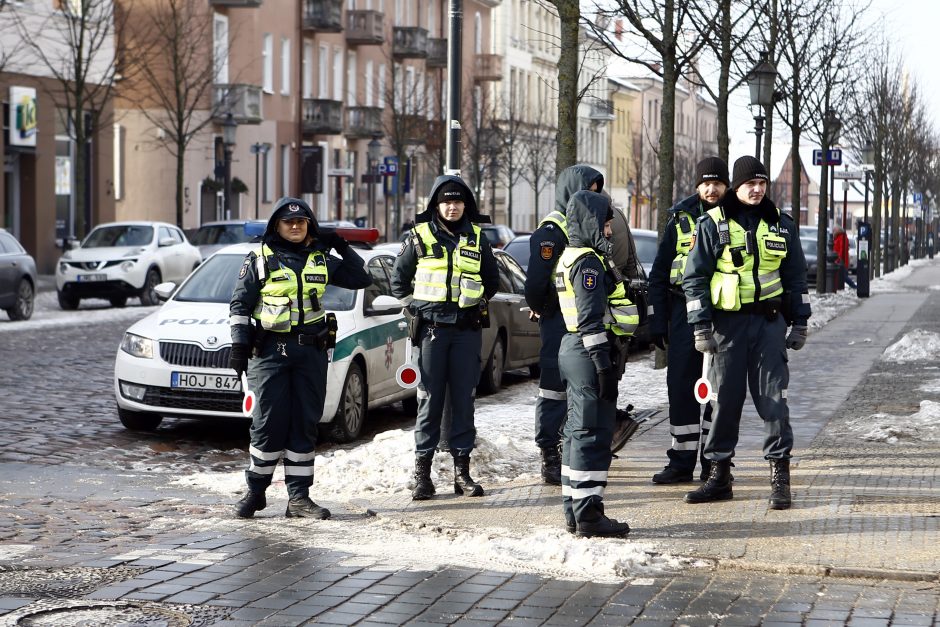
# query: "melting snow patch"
[825,307]
[918,345]
[922,426]
[932,387]
[13,552]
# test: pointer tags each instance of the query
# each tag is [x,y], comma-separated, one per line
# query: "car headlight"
[63,267]
[127,265]
[137,346]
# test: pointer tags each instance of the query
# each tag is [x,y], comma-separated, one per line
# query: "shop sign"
[23,122]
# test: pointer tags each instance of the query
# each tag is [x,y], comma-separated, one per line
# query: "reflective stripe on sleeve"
[693,305]
[805,298]
[594,339]
[783,393]
[233,320]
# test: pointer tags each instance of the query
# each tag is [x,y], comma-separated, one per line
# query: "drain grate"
[60,583]
[53,613]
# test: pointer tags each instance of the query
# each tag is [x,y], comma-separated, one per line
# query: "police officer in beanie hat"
[280,337]
[444,274]
[688,425]
[745,283]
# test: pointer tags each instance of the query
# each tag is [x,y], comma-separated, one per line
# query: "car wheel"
[118,301]
[351,412]
[148,296]
[68,302]
[410,405]
[22,309]
[492,378]
[138,420]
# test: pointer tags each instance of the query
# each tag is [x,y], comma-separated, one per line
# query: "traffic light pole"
[455,27]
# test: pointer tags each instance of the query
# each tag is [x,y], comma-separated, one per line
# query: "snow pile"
[921,426]
[917,345]
[931,387]
[891,282]
[47,314]
[825,307]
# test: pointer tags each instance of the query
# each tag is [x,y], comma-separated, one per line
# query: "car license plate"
[84,278]
[194,381]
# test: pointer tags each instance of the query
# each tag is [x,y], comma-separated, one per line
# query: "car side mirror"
[166,241]
[164,291]
[384,305]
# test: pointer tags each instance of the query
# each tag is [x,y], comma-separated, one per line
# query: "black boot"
[707,470]
[303,507]
[551,465]
[424,487]
[602,527]
[718,486]
[671,474]
[780,484]
[463,482]
[252,502]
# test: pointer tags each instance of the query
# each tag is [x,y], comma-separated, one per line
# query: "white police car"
[174,362]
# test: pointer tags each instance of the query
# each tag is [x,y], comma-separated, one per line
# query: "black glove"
[334,240]
[797,337]
[607,384]
[705,340]
[659,341]
[238,359]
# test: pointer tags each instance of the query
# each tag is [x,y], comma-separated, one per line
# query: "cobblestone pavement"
[92,533]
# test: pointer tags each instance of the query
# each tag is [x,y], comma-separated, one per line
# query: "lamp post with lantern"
[631,189]
[374,154]
[760,82]
[229,128]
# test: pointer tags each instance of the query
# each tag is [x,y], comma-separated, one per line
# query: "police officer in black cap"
[745,282]
[444,274]
[277,313]
[687,423]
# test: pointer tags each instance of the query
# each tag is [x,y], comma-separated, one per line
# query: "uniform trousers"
[289,380]
[751,352]
[551,406]
[586,455]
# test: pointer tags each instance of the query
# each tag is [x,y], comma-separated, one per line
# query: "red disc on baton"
[408,376]
[249,400]
[703,391]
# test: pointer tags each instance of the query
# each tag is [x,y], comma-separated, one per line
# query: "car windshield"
[119,235]
[220,234]
[519,249]
[214,282]
[809,246]
[646,249]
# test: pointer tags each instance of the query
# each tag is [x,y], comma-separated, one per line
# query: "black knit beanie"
[451,191]
[711,169]
[747,168]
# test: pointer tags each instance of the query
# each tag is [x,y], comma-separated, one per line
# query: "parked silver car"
[17,278]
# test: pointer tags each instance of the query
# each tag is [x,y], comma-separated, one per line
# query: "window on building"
[267,190]
[220,48]
[410,90]
[369,78]
[380,96]
[285,66]
[351,79]
[267,56]
[338,74]
[477,33]
[308,70]
[285,170]
[323,80]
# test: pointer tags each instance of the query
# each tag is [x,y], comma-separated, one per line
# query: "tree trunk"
[567,138]
[724,138]
[876,214]
[180,162]
[667,144]
[796,180]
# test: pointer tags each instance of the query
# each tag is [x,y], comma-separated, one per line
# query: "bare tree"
[77,47]
[175,72]
[10,40]
[672,44]
[566,138]
[512,133]
[540,157]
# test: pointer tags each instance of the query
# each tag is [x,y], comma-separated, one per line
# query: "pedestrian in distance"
[745,282]
[595,309]
[688,424]
[840,243]
[546,244]
[281,335]
[444,275]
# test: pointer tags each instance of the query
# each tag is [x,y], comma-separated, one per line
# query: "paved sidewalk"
[860,509]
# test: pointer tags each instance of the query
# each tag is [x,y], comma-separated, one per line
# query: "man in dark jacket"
[276,310]
[669,324]
[546,245]
[444,274]
[745,282]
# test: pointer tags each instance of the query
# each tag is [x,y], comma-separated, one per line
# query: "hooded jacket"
[703,258]
[659,283]
[406,264]
[587,212]
[348,272]
[548,241]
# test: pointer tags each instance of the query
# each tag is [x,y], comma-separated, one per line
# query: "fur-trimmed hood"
[471,212]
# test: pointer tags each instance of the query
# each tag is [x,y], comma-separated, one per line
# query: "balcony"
[365,28]
[363,122]
[602,111]
[322,117]
[410,42]
[324,16]
[236,4]
[488,67]
[242,101]
[437,53]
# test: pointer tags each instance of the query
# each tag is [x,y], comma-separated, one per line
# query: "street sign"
[817,156]
[834,156]
[848,174]
[388,169]
[918,198]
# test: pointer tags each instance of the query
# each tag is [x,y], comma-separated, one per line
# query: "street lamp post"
[831,127]
[229,127]
[760,82]
[374,154]
[258,149]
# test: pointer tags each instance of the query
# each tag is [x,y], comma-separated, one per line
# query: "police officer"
[546,245]
[444,274]
[276,312]
[669,323]
[593,304]
[745,281]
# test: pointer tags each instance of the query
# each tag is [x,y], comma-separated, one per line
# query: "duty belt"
[769,308]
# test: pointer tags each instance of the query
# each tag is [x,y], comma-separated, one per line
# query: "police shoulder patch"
[401,251]
[244,270]
[589,278]
[547,250]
